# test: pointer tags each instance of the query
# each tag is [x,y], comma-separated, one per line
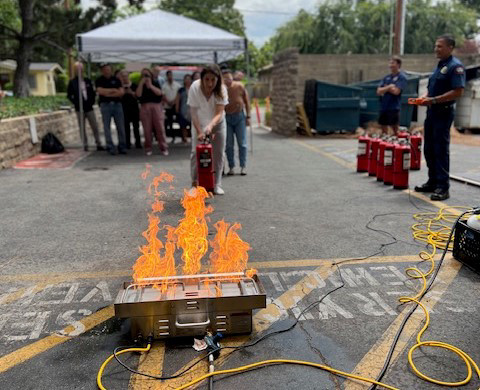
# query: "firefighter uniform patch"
[444,70]
[459,70]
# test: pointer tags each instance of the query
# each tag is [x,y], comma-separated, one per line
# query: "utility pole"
[399,35]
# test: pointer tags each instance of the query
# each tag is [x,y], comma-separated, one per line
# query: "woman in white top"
[207,99]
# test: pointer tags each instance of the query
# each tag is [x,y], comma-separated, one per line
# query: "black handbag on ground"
[51,144]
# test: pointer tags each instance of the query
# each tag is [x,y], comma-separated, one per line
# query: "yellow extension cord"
[104,364]
[432,229]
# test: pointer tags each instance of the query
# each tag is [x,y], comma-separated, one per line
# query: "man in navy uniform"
[390,89]
[445,85]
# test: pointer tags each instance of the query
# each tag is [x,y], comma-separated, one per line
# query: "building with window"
[41,77]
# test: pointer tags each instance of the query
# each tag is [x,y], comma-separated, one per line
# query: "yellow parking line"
[338,160]
[64,277]
[151,363]
[23,354]
[262,320]
[346,164]
[372,363]
[17,295]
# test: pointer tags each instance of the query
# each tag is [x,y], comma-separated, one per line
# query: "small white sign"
[406,161]
[362,149]
[388,159]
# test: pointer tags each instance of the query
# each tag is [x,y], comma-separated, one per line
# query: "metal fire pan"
[189,295]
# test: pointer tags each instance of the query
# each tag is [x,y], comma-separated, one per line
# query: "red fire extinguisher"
[206,178]
[402,134]
[416,151]
[388,161]
[363,153]
[401,165]
[372,158]
[380,159]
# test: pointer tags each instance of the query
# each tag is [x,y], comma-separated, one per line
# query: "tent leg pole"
[80,103]
[247,64]
[89,66]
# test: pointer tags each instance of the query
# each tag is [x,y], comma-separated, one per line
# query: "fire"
[230,252]
[192,230]
[157,181]
[157,259]
[146,173]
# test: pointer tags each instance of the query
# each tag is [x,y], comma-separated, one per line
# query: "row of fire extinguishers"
[390,158]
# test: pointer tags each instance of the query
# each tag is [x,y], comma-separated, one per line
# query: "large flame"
[157,259]
[192,230]
[230,252]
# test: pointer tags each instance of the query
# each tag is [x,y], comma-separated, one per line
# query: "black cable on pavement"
[414,307]
[297,318]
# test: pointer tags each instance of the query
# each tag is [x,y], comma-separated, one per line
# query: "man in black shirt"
[130,110]
[88,94]
[110,93]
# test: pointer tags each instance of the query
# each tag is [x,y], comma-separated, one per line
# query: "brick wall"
[284,91]
[15,139]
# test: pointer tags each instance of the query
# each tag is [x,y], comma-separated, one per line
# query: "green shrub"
[11,107]
[61,82]
[8,86]
[135,77]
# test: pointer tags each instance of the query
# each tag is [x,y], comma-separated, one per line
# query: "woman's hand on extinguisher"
[209,131]
[201,136]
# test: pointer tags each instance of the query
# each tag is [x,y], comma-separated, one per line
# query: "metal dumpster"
[371,107]
[337,107]
[467,115]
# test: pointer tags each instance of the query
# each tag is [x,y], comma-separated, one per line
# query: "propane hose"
[286,361]
[105,363]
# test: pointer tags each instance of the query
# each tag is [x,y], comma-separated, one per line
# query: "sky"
[261,17]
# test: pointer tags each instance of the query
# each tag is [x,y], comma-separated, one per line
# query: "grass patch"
[11,107]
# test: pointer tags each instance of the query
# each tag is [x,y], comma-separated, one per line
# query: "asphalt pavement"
[70,237]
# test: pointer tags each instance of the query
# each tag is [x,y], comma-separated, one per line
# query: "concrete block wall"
[347,69]
[284,91]
[291,70]
[16,142]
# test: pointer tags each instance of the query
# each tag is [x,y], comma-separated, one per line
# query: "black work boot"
[440,194]
[426,187]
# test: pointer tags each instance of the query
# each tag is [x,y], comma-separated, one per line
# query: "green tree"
[219,13]
[472,4]
[426,22]
[29,25]
[336,27]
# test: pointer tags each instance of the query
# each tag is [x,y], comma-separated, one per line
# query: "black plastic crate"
[466,246]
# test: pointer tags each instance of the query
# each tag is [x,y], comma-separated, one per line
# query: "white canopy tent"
[160,37]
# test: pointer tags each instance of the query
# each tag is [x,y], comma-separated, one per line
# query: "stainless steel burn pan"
[191,305]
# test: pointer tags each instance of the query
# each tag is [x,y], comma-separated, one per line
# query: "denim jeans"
[236,126]
[115,110]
